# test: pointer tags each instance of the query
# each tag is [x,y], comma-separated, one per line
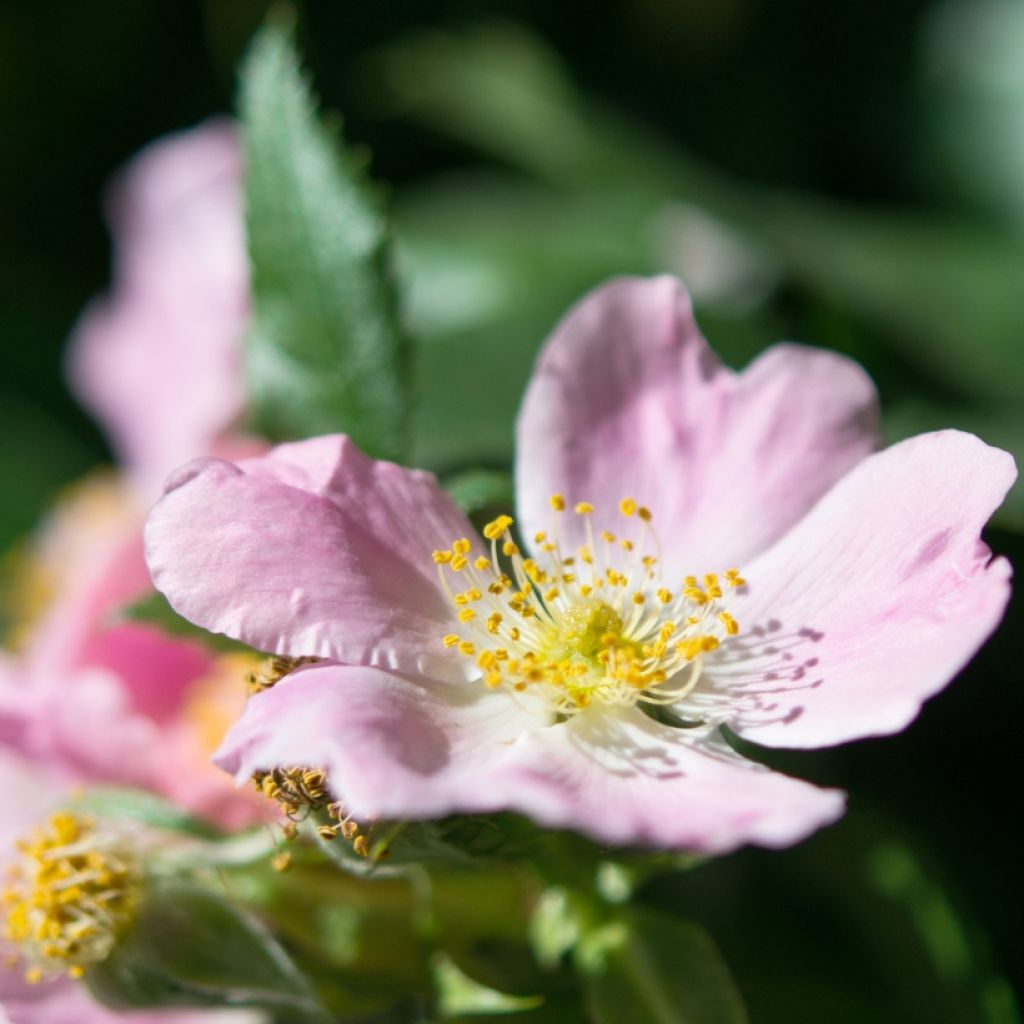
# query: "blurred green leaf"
[857,923]
[477,489]
[154,609]
[459,995]
[324,352]
[645,965]
[121,804]
[190,947]
[940,298]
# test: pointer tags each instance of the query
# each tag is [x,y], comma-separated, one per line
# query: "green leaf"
[478,489]
[190,947]
[644,965]
[324,352]
[120,804]
[155,610]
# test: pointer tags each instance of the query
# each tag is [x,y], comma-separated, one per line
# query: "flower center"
[72,892]
[597,625]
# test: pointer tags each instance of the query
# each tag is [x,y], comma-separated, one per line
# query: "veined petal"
[623,778]
[394,746]
[406,748]
[313,550]
[628,400]
[872,603]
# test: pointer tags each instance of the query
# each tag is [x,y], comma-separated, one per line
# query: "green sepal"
[190,947]
[118,803]
[640,964]
[325,351]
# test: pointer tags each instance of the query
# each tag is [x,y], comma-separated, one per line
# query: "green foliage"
[118,803]
[325,352]
[931,305]
[190,947]
[154,609]
[645,965]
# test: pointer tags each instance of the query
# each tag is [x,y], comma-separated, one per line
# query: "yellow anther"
[495,588]
[585,555]
[462,546]
[558,502]
[695,595]
[493,679]
[466,614]
[711,643]
[627,506]
[442,557]
[608,538]
[583,508]
[481,563]
[486,659]
[644,514]
[626,545]
[732,627]
[496,527]
[467,648]
[665,595]
[513,633]
[459,562]
[586,591]
[539,537]
[638,598]
[509,549]
[551,595]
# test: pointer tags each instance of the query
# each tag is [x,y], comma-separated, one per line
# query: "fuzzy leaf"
[324,352]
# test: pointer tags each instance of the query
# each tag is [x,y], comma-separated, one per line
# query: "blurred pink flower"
[158,360]
[462,677]
[87,698]
[97,699]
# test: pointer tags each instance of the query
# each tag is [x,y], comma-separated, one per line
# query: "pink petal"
[872,603]
[158,359]
[394,746]
[405,748]
[628,400]
[314,550]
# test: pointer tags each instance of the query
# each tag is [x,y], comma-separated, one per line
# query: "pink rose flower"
[720,549]
[158,361]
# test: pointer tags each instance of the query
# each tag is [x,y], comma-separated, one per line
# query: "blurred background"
[842,174]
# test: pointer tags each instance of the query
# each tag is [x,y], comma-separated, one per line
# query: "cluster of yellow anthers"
[303,791]
[595,625]
[72,892]
[272,671]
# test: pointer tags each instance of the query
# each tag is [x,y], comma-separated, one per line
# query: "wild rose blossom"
[719,549]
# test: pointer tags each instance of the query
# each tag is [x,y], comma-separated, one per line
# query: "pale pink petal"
[871,604]
[158,361]
[315,550]
[404,748]
[66,1002]
[628,400]
[394,746]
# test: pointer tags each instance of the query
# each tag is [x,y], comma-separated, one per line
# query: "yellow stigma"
[595,626]
[71,893]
